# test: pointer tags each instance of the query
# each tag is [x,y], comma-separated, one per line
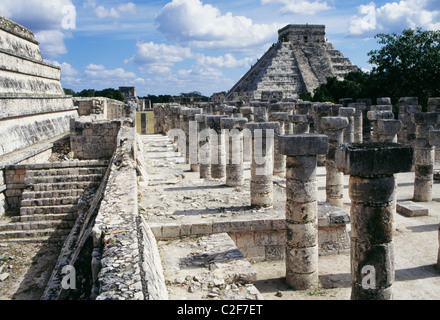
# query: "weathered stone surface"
[305,144]
[374,158]
[410,209]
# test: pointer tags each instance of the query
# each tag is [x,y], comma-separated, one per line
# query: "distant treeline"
[117,95]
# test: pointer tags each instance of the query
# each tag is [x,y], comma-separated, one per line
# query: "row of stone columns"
[371,167]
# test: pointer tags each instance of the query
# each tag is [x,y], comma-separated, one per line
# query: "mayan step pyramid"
[300,62]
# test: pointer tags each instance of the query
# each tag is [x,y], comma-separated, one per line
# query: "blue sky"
[175,46]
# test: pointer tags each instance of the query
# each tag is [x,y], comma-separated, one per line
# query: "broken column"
[282,118]
[302,207]
[349,131]
[424,156]
[217,141]
[333,128]
[234,161]
[263,138]
[204,158]
[372,167]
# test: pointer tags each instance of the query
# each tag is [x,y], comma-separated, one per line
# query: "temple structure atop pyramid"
[300,62]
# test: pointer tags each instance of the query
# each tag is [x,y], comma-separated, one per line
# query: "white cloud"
[51,43]
[127,8]
[149,53]
[35,15]
[43,18]
[226,61]
[99,72]
[203,26]
[115,13]
[300,6]
[394,17]
[102,13]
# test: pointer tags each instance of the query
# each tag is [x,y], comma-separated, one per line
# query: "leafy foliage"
[407,65]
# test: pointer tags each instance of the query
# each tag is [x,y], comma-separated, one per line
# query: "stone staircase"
[49,205]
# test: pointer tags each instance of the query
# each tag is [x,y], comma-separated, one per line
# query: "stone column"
[376,115]
[387,130]
[424,156]
[263,138]
[407,106]
[371,167]
[358,121]
[204,147]
[366,124]
[333,128]
[434,106]
[260,114]
[349,131]
[434,140]
[234,161]
[301,123]
[144,123]
[282,118]
[217,141]
[302,207]
[320,110]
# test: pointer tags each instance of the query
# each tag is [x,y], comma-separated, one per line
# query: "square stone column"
[434,140]
[372,167]
[302,207]
[263,141]
[301,123]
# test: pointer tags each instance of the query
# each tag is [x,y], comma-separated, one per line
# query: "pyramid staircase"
[49,205]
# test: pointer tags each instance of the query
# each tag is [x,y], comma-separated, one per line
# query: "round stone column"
[282,118]
[349,131]
[190,128]
[371,167]
[204,147]
[234,161]
[217,142]
[333,127]
[263,140]
[424,156]
[301,123]
[302,207]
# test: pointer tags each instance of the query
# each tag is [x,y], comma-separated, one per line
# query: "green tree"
[408,64]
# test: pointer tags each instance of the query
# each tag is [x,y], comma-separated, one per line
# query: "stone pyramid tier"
[33,106]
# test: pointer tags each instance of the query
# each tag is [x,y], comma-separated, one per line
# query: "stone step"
[37,225]
[66,171]
[45,217]
[58,179]
[26,211]
[84,185]
[28,234]
[33,195]
[44,202]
